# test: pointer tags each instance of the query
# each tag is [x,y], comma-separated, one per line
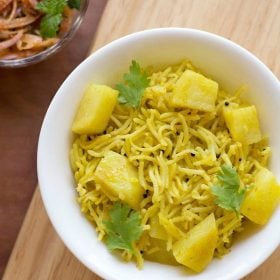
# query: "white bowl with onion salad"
[224,62]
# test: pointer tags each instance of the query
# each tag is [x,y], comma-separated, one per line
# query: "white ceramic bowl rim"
[58,99]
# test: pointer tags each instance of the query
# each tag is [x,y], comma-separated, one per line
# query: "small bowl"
[22,62]
[219,58]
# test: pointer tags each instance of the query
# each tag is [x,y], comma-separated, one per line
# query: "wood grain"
[254,25]
[38,252]
[24,99]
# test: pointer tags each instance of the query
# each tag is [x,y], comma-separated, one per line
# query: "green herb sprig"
[228,193]
[53,10]
[74,4]
[123,227]
[135,82]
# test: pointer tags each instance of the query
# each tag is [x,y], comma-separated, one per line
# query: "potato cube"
[196,250]
[157,230]
[195,91]
[118,178]
[95,109]
[161,255]
[170,227]
[262,199]
[243,124]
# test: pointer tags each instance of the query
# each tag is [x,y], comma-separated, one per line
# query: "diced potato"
[161,255]
[196,250]
[95,109]
[118,178]
[243,124]
[195,91]
[262,199]
[169,227]
[157,230]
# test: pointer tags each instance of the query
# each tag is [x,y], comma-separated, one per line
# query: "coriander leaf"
[74,4]
[228,193]
[135,77]
[227,198]
[123,228]
[129,95]
[53,10]
[135,82]
[228,176]
[49,25]
[51,7]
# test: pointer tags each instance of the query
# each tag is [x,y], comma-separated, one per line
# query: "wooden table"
[25,95]
[255,25]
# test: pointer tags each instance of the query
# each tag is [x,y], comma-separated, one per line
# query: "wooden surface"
[25,95]
[38,252]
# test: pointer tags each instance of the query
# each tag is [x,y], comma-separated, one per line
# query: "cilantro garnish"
[123,227]
[49,25]
[74,4]
[53,10]
[51,7]
[135,82]
[228,193]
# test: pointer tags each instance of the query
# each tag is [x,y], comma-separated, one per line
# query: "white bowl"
[219,58]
